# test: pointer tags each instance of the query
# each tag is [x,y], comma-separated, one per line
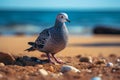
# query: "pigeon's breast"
[60,35]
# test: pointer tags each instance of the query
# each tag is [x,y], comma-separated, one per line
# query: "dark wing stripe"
[42,38]
[31,43]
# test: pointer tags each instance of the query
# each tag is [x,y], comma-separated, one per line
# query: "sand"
[88,46]
[98,47]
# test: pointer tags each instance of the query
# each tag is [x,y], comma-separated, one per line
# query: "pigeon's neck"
[58,24]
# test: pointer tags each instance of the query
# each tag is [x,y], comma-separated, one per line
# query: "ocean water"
[82,22]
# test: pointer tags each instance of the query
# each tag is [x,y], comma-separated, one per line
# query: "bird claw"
[60,61]
[57,61]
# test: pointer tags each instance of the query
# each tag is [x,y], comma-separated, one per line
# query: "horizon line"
[38,9]
[50,9]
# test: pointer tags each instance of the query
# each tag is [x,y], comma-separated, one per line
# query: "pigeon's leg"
[48,55]
[57,60]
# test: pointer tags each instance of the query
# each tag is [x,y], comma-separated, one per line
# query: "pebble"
[2,64]
[43,72]
[117,65]
[6,58]
[100,75]
[51,69]
[115,69]
[40,66]
[118,60]
[109,64]
[60,74]
[1,76]
[67,68]
[86,59]
[96,78]
[101,61]
[56,75]
[89,71]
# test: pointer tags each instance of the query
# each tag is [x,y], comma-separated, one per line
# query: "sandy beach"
[104,51]
[88,46]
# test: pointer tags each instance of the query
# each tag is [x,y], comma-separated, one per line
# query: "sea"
[34,21]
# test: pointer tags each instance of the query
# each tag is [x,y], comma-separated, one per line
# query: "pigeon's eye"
[61,16]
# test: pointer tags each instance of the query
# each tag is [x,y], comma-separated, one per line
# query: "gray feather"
[42,38]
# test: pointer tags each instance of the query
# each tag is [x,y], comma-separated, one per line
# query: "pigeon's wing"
[42,38]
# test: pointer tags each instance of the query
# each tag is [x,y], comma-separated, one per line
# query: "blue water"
[81,21]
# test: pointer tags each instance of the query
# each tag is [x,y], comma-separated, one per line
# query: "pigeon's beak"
[68,20]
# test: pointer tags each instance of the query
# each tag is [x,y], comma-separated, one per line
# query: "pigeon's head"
[62,17]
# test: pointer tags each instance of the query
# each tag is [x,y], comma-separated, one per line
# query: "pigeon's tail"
[31,43]
[31,48]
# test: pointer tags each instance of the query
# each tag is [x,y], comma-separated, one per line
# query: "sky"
[60,4]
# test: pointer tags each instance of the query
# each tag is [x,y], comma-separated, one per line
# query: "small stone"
[117,65]
[101,61]
[67,68]
[56,75]
[40,66]
[1,76]
[86,59]
[51,69]
[118,60]
[43,72]
[89,71]
[109,64]
[60,74]
[100,75]
[6,58]
[96,78]
[113,70]
[2,64]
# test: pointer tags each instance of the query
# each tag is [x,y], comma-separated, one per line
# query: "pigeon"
[52,40]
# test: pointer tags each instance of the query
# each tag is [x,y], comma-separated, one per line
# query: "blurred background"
[88,17]
[94,27]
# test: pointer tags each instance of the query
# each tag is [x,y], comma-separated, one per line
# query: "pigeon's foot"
[50,60]
[60,61]
[57,60]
